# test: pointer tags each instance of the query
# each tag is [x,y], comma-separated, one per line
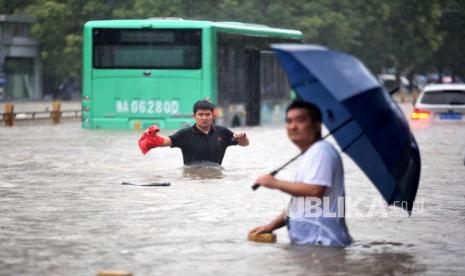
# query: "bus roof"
[229,27]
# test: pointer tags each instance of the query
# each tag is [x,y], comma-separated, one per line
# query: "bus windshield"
[147,48]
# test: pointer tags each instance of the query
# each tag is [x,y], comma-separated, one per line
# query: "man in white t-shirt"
[315,214]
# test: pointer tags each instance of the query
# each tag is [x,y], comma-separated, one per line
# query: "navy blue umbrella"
[362,117]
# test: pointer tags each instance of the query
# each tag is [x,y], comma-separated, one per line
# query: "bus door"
[268,89]
[252,105]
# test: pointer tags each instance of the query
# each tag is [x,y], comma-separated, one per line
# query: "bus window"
[142,72]
[147,48]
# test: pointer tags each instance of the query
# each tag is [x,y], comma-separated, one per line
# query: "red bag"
[150,139]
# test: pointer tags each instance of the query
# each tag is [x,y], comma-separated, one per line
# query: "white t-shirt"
[315,220]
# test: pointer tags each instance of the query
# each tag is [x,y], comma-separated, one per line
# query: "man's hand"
[267,180]
[261,229]
[276,223]
[239,135]
[241,138]
[150,139]
[152,130]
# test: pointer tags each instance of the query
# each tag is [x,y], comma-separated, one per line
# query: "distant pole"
[56,113]
[9,115]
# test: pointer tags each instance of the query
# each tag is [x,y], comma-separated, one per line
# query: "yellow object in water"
[114,273]
[264,237]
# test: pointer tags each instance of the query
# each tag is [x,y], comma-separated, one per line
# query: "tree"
[449,57]
[398,34]
[407,35]
[13,6]
[59,30]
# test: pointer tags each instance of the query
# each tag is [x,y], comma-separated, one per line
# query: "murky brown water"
[64,211]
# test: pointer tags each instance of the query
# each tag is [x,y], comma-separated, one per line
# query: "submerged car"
[440,103]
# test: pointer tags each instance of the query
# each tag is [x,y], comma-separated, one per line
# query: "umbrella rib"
[353,141]
[303,83]
[339,127]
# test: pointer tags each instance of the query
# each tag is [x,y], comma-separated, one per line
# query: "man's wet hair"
[204,105]
[312,110]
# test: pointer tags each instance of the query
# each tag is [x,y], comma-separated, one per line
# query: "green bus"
[142,72]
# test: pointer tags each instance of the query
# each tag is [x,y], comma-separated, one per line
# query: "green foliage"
[413,26]
[450,55]
[411,36]
[13,6]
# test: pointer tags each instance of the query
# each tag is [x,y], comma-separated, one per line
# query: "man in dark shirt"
[201,142]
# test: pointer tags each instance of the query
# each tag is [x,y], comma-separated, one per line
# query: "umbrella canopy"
[364,120]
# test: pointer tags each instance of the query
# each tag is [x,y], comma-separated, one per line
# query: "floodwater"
[64,211]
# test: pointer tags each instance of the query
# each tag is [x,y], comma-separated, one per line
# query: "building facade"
[20,67]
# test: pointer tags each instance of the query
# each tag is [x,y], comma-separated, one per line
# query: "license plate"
[451,116]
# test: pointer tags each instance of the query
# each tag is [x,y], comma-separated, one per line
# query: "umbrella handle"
[394,90]
[256,185]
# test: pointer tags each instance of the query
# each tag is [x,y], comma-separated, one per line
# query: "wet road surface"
[64,211]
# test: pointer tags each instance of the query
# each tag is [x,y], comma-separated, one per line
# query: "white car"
[440,103]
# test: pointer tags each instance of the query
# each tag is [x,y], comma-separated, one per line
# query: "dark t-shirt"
[197,146]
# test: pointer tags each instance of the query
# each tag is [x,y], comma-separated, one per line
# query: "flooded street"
[64,211]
